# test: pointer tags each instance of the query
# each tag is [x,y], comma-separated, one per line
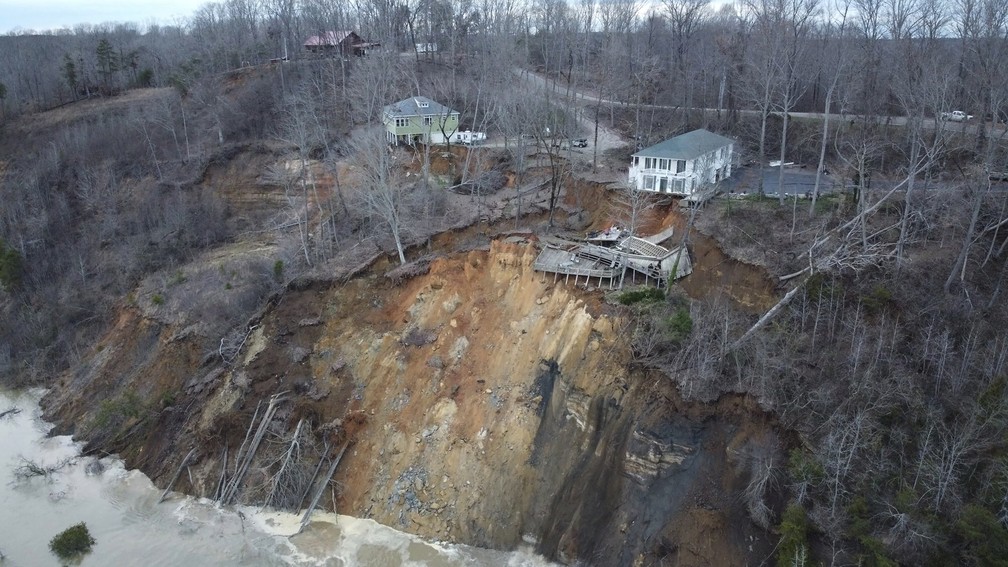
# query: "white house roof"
[417,106]
[687,146]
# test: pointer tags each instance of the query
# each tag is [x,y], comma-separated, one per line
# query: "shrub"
[10,266]
[878,300]
[873,552]
[72,541]
[984,535]
[117,410]
[146,77]
[992,399]
[793,546]
[819,287]
[803,467]
[646,295]
[278,269]
[157,299]
[679,325]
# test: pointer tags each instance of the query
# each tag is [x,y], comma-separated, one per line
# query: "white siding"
[713,167]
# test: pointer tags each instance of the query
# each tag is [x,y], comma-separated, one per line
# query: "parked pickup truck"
[956,116]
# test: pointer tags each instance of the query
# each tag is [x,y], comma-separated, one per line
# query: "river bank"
[122,510]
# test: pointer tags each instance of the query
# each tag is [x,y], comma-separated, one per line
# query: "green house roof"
[687,146]
[417,106]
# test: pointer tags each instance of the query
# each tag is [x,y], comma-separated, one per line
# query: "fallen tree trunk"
[178,471]
[322,485]
[232,489]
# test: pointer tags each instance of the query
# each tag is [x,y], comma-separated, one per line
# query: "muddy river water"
[121,510]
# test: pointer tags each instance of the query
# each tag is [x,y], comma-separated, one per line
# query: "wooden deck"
[632,257]
[661,236]
[581,262]
[611,235]
[639,246]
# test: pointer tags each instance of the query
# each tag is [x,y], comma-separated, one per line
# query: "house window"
[664,185]
[680,166]
[427,120]
[401,122]
[649,182]
[636,160]
[677,186]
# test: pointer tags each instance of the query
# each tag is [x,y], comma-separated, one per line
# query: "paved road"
[797,181]
[607,137]
[585,96]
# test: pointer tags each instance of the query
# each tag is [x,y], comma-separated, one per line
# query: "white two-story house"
[682,165]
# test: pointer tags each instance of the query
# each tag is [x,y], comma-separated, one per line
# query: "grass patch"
[168,398]
[828,203]
[178,279]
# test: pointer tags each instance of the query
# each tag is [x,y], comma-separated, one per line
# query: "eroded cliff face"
[490,406]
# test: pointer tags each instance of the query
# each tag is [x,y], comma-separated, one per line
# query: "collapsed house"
[612,257]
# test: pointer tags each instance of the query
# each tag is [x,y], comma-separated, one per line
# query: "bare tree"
[761,80]
[384,189]
[550,127]
[796,18]
[839,65]
[685,18]
[617,18]
[630,204]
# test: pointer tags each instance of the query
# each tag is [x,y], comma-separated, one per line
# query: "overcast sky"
[54,14]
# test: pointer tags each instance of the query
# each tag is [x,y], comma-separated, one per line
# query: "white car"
[956,116]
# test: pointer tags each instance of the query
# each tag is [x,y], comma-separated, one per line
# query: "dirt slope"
[492,406]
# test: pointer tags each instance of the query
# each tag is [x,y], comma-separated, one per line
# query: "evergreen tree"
[70,74]
[107,61]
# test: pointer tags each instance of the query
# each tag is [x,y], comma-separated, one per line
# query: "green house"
[419,119]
